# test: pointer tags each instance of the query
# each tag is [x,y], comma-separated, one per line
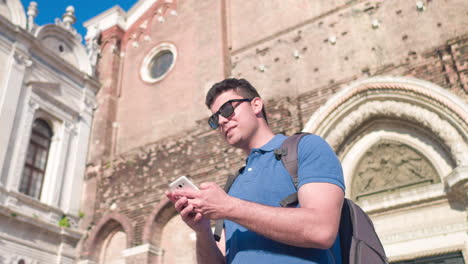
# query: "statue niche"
[387,166]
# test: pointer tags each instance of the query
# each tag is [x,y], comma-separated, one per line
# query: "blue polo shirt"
[266,181]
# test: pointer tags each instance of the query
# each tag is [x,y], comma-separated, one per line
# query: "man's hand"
[193,219]
[210,201]
[185,202]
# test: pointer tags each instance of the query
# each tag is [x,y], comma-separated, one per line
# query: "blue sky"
[84,10]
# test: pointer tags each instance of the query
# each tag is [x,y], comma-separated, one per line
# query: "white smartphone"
[182,182]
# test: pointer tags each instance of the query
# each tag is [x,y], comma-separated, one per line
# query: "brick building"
[384,82]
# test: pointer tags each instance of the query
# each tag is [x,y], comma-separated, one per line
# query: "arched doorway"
[403,146]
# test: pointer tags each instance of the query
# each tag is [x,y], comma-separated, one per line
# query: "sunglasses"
[226,110]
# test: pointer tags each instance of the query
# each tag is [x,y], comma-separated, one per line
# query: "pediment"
[54,93]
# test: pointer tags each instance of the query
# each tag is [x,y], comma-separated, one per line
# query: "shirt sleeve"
[318,162]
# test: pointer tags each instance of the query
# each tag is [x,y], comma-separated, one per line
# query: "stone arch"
[170,238]
[108,224]
[161,214]
[420,114]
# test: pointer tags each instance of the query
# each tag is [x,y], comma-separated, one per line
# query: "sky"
[84,10]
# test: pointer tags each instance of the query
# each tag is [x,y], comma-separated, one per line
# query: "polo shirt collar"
[273,144]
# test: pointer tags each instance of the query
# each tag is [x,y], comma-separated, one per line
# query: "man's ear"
[257,105]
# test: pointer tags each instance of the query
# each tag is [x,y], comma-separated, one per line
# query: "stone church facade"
[47,99]
[383,82]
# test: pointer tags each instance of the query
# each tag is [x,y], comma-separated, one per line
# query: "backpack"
[359,242]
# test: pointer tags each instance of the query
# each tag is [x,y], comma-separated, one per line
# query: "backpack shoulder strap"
[220,223]
[287,153]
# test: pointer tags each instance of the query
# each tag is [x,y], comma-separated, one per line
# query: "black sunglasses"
[226,110]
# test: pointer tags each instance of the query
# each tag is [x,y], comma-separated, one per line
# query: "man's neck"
[259,139]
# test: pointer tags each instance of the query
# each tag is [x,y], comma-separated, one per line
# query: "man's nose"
[222,120]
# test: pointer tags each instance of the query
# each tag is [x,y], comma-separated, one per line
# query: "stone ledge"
[402,198]
[26,206]
[457,182]
[146,248]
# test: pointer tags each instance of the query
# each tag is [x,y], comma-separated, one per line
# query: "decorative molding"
[457,184]
[428,253]
[424,232]
[70,127]
[22,59]
[416,101]
[402,198]
[400,110]
[388,86]
[33,246]
[33,105]
[90,104]
[63,110]
[458,176]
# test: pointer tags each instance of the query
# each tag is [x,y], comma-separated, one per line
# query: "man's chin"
[232,140]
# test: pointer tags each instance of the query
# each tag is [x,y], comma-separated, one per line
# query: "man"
[257,230]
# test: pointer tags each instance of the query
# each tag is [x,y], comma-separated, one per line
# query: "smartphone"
[182,182]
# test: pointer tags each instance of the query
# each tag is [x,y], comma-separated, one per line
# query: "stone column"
[108,69]
[21,146]
[77,157]
[57,163]
[10,98]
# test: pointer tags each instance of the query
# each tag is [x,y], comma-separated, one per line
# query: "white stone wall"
[35,82]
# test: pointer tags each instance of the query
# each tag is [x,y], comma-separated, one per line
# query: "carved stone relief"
[401,98]
[389,165]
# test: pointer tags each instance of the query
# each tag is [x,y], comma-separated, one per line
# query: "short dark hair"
[240,86]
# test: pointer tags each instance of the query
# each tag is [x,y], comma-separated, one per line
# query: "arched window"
[112,248]
[36,159]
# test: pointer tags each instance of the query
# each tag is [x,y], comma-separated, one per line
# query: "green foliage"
[81,215]
[64,222]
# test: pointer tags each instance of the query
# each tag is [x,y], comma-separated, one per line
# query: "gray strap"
[290,147]
[220,222]
[218,229]
[291,200]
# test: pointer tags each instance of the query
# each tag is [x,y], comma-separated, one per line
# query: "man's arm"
[207,249]
[314,225]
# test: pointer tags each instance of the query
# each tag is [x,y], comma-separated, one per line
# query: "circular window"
[158,63]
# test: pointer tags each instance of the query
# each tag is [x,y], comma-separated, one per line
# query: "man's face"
[237,128]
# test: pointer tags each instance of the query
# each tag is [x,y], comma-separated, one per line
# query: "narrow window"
[36,159]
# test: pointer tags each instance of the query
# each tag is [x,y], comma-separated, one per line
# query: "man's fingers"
[171,196]
[197,217]
[186,211]
[206,185]
[186,192]
[180,204]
